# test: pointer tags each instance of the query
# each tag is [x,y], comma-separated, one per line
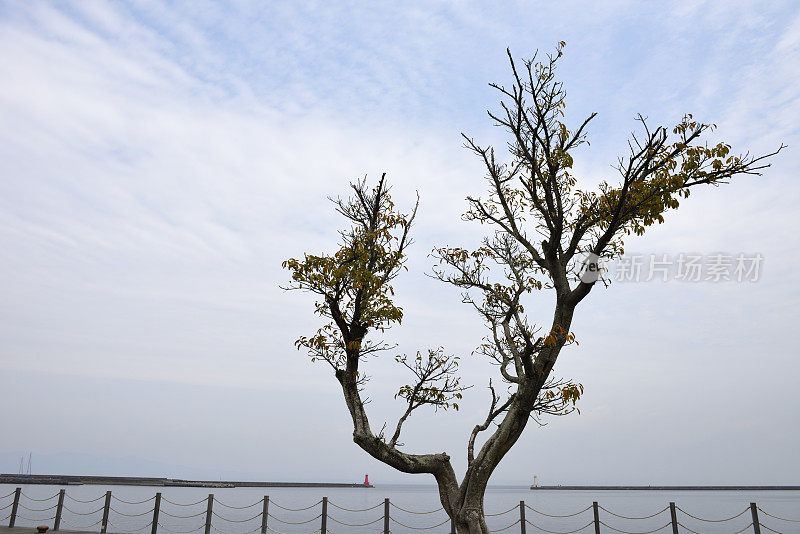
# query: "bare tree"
[546,232]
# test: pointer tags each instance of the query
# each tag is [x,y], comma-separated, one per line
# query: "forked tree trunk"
[466,505]
[463,502]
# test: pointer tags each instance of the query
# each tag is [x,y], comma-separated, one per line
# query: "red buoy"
[366,480]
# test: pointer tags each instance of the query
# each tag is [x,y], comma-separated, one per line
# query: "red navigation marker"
[366,480]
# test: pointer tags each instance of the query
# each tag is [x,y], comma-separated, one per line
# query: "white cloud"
[159,164]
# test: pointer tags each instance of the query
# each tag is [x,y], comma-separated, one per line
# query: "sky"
[159,160]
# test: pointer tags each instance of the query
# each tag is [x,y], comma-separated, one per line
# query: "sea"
[413,508]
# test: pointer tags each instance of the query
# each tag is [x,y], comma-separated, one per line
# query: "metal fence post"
[522,526]
[156,510]
[209,511]
[754,512]
[106,507]
[14,508]
[386,516]
[59,509]
[673,518]
[596,518]
[265,515]
[324,527]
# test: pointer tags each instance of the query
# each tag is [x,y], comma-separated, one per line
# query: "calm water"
[705,504]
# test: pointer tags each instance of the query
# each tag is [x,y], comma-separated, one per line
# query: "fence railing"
[381,521]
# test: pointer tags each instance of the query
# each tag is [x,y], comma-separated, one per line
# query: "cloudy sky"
[158,161]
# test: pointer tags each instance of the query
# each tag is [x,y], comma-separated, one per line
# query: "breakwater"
[71,480]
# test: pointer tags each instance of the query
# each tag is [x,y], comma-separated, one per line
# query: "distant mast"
[22,470]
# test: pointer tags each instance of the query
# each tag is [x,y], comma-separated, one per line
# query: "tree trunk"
[468,517]
[471,519]
[466,508]
[464,503]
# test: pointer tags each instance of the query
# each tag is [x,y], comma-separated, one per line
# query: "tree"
[548,235]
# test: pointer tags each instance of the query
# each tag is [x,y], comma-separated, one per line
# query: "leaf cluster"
[354,283]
